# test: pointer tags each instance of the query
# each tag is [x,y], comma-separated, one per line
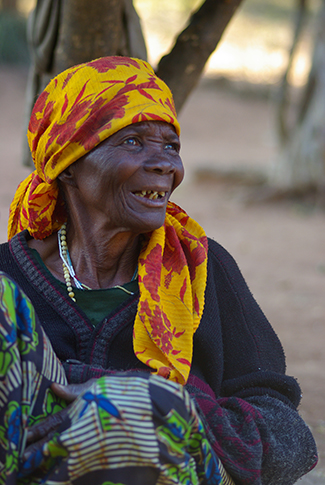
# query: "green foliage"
[13,42]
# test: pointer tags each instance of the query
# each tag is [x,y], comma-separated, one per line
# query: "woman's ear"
[67,176]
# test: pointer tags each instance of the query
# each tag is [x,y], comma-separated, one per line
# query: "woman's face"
[128,179]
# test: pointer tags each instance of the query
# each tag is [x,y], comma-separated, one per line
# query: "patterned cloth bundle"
[126,429]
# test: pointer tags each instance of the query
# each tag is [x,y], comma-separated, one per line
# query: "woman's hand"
[42,432]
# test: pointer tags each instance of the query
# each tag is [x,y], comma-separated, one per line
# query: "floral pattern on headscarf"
[172,280]
[79,109]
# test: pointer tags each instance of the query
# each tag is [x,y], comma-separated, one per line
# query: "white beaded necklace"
[68,268]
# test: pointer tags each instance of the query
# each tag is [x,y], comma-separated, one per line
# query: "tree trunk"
[301,163]
[182,67]
[88,30]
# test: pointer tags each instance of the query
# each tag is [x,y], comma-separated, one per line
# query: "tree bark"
[88,30]
[182,67]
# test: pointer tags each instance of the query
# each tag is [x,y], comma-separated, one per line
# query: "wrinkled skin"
[106,182]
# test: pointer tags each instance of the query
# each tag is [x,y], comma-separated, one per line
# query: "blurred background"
[255,47]
[253,146]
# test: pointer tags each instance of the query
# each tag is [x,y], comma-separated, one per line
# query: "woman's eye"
[172,146]
[131,141]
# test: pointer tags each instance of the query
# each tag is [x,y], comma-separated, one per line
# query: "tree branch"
[182,67]
[284,101]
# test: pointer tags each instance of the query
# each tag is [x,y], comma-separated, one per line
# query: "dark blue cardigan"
[237,377]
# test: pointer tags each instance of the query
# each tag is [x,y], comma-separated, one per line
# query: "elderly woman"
[132,351]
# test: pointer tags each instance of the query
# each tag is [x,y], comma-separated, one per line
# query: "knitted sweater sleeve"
[238,382]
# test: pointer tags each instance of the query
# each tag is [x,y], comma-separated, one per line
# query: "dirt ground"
[278,246]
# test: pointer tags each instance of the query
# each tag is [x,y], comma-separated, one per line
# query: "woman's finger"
[34,447]
[70,392]
[42,429]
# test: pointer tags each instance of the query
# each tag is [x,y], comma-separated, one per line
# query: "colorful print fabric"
[129,428]
[172,279]
[28,366]
[80,108]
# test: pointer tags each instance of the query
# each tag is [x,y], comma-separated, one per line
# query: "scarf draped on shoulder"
[79,109]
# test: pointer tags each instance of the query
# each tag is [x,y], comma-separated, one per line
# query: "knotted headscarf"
[79,109]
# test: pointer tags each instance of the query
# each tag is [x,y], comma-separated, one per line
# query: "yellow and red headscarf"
[79,109]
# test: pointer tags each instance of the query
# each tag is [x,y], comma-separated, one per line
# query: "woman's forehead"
[143,127]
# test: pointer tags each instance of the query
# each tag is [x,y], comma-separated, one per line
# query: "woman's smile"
[151,194]
[157,197]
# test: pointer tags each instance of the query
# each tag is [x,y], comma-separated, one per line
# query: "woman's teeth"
[151,194]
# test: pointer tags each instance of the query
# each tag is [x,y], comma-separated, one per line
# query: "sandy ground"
[278,246]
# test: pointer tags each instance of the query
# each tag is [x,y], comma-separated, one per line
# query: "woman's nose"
[164,164]
[160,162]
[160,166]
